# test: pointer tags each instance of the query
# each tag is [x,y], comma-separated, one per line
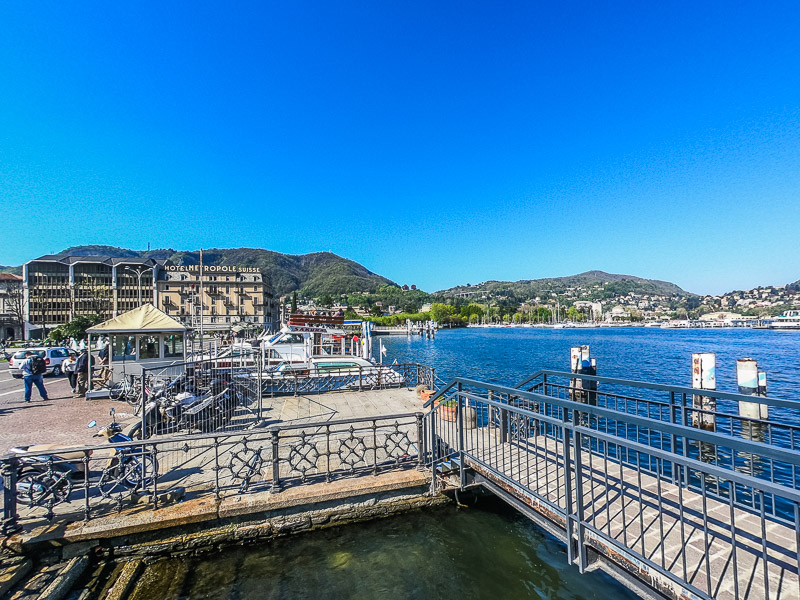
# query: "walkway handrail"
[794,404]
[681,508]
[760,448]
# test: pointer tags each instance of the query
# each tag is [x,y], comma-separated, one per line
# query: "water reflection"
[485,551]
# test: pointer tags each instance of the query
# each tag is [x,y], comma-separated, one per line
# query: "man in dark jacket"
[82,366]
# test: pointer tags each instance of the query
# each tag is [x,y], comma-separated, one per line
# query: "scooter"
[205,411]
[128,467]
[47,479]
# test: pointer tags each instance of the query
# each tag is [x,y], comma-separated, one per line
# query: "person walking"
[68,366]
[82,366]
[33,368]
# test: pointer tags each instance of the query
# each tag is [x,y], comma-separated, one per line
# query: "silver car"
[53,357]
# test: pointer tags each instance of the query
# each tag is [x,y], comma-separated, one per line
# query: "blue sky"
[437,143]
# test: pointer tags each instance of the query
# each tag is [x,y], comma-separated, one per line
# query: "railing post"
[568,504]
[144,404]
[10,468]
[460,426]
[434,448]
[360,379]
[420,442]
[432,386]
[583,562]
[276,468]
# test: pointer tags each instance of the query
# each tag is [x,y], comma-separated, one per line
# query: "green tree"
[294,302]
[376,311]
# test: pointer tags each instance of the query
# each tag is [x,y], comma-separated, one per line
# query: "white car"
[53,357]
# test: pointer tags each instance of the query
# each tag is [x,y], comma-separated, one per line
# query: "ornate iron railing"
[93,481]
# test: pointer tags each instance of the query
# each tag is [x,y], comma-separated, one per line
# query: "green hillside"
[312,274]
[595,285]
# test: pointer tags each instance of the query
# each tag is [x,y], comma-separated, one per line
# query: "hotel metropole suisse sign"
[213,268]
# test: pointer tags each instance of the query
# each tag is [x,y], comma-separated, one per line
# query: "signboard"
[212,268]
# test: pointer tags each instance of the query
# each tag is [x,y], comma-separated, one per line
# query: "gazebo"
[142,337]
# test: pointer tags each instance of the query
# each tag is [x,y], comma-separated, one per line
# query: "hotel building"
[58,288]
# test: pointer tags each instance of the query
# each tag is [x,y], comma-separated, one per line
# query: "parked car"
[53,357]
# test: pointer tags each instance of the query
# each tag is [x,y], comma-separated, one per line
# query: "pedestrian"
[33,368]
[68,366]
[82,366]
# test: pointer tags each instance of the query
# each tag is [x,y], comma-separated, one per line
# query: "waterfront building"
[57,288]
[222,297]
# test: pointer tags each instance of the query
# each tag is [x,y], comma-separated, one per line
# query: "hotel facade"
[57,288]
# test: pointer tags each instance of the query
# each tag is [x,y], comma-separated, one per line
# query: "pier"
[622,479]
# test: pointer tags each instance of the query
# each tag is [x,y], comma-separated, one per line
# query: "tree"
[376,311]
[326,300]
[15,303]
[294,302]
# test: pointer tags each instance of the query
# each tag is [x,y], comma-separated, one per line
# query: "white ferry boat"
[788,320]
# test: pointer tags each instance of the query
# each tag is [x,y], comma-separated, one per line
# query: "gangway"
[629,484]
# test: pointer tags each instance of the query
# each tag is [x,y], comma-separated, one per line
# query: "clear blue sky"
[437,143]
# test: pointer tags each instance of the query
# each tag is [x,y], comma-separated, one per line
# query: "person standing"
[82,366]
[33,368]
[68,366]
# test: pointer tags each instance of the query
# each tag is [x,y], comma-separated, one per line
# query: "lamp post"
[139,272]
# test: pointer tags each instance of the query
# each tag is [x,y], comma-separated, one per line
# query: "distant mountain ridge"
[313,274]
[530,288]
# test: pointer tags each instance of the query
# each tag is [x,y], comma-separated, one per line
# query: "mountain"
[15,270]
[312,274]
[591,285]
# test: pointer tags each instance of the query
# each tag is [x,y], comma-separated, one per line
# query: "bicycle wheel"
[139,471]
[115,391]
[39,489]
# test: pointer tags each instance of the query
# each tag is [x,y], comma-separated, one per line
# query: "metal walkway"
[664,505]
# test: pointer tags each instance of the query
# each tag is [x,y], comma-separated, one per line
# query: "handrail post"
[10,470]
[434,448]
[420,442]
[360,379]
[276,469]
[578,437]
[568,505]
[460,425]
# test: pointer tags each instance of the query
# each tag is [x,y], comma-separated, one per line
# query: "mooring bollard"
[747,378]
[580,363]
[704,377]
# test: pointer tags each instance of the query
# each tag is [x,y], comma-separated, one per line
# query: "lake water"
[508,355]
[486,550]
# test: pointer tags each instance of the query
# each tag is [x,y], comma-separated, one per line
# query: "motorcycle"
[48,479]
[169,410]
[128,467]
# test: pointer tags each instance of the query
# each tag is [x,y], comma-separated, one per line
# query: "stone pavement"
[62,419]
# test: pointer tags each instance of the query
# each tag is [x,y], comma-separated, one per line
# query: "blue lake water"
[508,355]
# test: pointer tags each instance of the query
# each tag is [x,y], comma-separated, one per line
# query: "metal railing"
[87,482]
[227,394]
[656,497]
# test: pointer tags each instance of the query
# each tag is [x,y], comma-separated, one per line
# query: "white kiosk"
[143,337]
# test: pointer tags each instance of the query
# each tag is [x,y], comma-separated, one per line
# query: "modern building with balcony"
[57,287]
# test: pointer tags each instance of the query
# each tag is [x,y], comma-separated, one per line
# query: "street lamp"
[139,272]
